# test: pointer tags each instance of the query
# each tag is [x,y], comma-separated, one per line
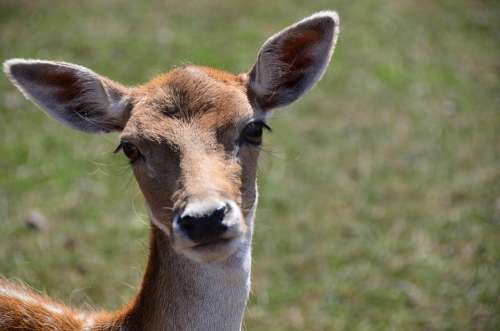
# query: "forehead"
[190,95]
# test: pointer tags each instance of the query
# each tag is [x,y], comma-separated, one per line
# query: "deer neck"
[180,294]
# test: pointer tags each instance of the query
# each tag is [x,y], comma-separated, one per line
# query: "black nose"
[204,228]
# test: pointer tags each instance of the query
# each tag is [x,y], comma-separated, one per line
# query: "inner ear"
[298,56]
[74,95]
[293,60]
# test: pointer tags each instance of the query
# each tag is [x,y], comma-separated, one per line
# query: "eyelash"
[255,139]
[263,123]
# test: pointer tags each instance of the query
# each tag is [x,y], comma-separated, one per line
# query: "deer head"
[191,135]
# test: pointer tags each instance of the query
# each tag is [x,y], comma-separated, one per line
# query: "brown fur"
[22,309]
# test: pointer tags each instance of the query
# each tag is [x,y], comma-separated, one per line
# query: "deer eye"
[130,151]
[252,133]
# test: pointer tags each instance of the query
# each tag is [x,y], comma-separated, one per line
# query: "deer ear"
[73,95]
[293,60]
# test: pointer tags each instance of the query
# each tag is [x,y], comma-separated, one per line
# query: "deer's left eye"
[130,151]
[252,133]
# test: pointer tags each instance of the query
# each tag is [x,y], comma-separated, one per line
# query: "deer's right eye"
[130,151]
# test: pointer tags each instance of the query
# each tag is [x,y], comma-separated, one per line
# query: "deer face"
[192,135]
[193,140]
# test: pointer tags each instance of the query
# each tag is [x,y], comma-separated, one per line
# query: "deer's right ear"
[74,95]
[293,60]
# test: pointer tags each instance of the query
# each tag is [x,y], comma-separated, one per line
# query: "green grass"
[380,190]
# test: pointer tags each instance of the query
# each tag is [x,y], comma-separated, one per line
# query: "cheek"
[157,189]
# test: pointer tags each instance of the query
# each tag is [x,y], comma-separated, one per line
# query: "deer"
[192,137]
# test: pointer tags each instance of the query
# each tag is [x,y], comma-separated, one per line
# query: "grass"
[380,193]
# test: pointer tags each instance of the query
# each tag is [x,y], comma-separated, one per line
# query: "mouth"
[216,250]
[212,244]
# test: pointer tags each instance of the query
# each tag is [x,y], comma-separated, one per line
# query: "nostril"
[205,228]
[218,214]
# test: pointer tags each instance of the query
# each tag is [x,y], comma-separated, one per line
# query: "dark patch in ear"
[70,83]
[296,52]
[292,61]
[297,45]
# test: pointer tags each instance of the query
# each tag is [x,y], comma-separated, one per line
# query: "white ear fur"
[72,94]
[293,60]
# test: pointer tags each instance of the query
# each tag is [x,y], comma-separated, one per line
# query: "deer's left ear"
[72,94]
[293,60]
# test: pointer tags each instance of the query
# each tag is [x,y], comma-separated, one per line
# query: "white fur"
[202,207]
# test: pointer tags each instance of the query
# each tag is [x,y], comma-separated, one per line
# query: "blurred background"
[380,190]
